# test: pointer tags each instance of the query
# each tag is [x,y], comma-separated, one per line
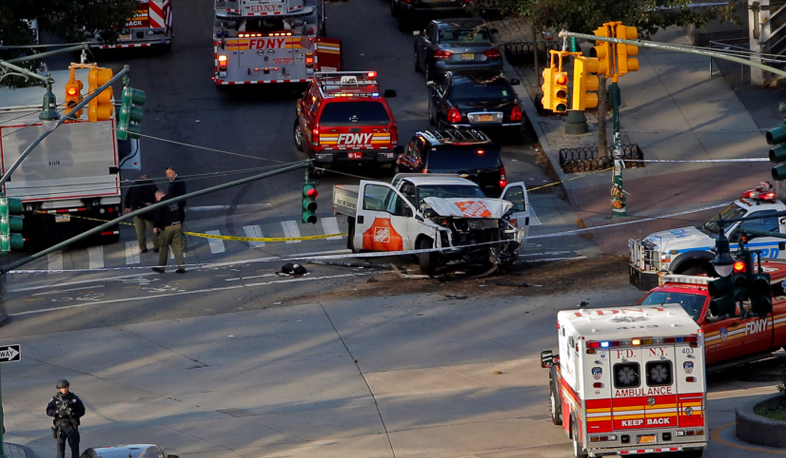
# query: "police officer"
[177,188]
[169,228]
[67,409]
[140,195]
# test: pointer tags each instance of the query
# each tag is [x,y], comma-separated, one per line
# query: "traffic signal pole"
[619,207]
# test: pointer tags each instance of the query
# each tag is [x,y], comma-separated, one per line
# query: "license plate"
[124,37]
[485,118]
[355,155]
[62,218]
[649,439]
[467,56]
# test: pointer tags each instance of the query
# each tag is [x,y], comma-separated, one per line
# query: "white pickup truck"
[687,250]
[424,211]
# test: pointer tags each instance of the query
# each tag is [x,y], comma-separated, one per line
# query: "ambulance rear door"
[691,386]
[644,391]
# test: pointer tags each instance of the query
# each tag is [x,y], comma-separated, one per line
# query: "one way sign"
[10,353]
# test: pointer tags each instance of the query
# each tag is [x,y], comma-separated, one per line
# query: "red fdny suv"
[343,118]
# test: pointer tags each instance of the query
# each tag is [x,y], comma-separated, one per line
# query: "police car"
[344,118]
[687,250]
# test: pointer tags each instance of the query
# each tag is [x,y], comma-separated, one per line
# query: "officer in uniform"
[67,409]
[140,195]
[169,228]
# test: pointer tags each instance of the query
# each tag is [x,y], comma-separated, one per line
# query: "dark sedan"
[483,100]
[455,45]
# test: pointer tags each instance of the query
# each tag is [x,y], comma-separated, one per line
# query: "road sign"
[10,353]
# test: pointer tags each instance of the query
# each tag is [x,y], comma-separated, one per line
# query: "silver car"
[455,45]
[126,451]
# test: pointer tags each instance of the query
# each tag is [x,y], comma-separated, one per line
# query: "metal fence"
[588,159]
[521,52]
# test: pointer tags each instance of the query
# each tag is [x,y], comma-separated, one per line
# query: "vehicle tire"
[578,450]
[351,234]
[555,406]
[417,67]
[300,142]
[431,119]
[393,9]
[428,261]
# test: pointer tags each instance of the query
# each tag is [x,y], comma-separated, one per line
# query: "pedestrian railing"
[588,158]
[521,52]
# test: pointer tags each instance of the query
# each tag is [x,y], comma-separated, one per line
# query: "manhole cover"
[540,189]
[761,378]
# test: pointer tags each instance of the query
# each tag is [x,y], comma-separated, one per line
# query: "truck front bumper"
[376,156]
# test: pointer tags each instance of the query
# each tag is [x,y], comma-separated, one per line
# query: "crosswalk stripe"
[254,232]
[330,226]
[216,245]
[55,260]
[95,256]
[132,253]
[291,230]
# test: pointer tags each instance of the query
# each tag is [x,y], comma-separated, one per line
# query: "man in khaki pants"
[141,194]
[170,233]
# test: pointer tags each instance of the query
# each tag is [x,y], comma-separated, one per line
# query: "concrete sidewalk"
[17,451]
[674,110]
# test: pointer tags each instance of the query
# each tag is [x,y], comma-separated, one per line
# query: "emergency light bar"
[761,192]
[689,279]
[640,341]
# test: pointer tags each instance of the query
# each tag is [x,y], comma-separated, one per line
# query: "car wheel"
[428,261]
[417,67]
[300,142]
[555,408]
[351,234]
[578,450]
[393,9]
[431,119]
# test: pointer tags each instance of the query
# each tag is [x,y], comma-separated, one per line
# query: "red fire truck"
[271,41]
[151,25]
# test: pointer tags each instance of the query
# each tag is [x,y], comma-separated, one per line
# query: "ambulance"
[629,380]
[150,25]
[271,41]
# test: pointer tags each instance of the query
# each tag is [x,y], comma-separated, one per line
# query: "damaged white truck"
[435,211]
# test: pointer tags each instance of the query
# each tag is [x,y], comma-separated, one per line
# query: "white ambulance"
[629,380]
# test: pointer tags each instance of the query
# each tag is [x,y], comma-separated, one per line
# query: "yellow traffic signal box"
[585,80]
[100,108]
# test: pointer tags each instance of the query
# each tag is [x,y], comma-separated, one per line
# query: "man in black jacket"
[177,188]
[67,409]
[141,194]
[169,228]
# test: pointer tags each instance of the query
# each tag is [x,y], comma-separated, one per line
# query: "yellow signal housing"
[602,51]
[100,108]
[585,81]
[73,96]
[626,64]
[548,81]
[560,92]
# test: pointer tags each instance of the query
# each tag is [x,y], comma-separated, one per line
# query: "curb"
[755,429]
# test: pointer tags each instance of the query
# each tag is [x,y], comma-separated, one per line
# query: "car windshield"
[691,303]
[368,113]
[730,212]
[480,91]
[474,35]
[449,191]
[460,159]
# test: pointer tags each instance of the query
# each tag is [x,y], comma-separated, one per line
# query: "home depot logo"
[381,234]
[474,209]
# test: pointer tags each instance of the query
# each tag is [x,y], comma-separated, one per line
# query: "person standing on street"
[141,194]
[177,188]
[169,228]
[67,409]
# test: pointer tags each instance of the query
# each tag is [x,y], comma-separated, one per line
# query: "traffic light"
[739,279]
[602,51]
[130,113]
[560,92]
[760,293]
[777,138]
[11,223]
[309,209]
[73,96]
[626,64]
[548,82]
[584,80]
[99,108]
[722,303]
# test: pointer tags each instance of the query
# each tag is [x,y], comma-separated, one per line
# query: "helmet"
[63,383]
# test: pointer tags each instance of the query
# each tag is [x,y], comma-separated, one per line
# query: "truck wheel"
[555,406]
[578,450]
[351,234]
[431,118]
[428,261]
[300,142]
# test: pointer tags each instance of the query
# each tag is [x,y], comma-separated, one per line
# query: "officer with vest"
[169,227]
[67,409]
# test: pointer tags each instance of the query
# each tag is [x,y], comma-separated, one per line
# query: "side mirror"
[398,150]
[389,93]
[514,82]
[546,358]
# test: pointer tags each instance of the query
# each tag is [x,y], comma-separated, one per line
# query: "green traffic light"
[309,205]
[760,294]
[10,222]
[722,299]
[128,113]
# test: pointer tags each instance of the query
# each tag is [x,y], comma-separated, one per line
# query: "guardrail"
[520,52]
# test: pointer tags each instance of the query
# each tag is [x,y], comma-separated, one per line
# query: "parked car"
[480,99]
[455,45]
[126,451]
[409,11]
[468,153]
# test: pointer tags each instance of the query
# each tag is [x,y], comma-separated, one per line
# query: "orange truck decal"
[382,237]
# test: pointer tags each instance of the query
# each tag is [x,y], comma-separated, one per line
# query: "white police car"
[126,451]
[688,250]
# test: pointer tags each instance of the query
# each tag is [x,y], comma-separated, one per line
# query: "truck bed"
[345,199]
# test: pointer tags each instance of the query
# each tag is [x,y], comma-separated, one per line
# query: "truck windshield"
[692,303]
[730,212]
[448,191]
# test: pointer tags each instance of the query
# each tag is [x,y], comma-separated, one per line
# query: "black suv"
[467,152]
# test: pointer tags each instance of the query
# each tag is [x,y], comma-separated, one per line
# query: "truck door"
[516,193]
[733,337]
[644,394]
[328,54]
[385,219]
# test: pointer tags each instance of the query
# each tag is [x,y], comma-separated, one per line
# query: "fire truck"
[271,41]
[629,380]
[151,25]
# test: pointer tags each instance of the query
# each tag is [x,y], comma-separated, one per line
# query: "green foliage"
[584,16]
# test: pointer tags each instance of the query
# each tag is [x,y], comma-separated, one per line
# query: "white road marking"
[95,256]
[216,245]
[254,232]
[291,230]
[55,260]
[330,226]
[132,253]
[533,218]
[58,291]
